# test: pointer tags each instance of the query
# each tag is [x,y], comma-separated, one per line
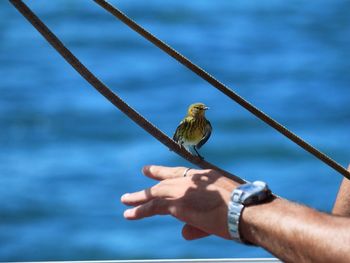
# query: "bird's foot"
[197,153]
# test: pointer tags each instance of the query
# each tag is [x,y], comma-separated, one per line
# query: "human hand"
[200,199]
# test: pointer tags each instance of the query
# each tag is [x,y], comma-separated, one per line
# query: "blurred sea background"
[67,155]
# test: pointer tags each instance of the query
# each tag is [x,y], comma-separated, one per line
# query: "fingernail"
[145,169]
[124,196]
[127,213]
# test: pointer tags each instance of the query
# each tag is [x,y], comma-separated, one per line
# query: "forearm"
[342,203]
[296,233]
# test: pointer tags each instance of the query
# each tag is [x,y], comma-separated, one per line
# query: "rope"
[224,89]
[111,96]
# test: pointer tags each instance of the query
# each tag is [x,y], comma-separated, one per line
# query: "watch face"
[248,188]
[253,193]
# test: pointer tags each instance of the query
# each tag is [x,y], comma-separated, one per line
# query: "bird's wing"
[179,128]
[206,136]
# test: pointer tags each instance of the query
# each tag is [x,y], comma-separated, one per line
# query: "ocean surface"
[67,154]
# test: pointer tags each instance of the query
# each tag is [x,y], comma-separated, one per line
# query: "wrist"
[253,217]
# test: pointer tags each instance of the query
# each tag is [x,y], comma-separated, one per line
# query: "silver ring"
[186,171]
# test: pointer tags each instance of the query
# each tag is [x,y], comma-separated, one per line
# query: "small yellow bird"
[194,130]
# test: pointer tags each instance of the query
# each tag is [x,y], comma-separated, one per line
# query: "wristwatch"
[244,195]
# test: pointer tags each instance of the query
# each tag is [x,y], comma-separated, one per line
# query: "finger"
[164,172]
[191,233]
[151,208]
[144,196]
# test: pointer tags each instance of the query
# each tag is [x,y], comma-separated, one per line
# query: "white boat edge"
[212,260]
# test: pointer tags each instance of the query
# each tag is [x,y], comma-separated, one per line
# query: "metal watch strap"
[234,215]
[240,197]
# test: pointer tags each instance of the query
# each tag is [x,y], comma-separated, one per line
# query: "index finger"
[164,172]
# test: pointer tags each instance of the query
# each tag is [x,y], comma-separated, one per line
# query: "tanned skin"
[291,232]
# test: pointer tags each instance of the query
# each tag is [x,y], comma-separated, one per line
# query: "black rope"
[111,96]
[224,89]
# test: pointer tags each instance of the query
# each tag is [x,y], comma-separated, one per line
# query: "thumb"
[191,233]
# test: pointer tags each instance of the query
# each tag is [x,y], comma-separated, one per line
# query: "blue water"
[67,155]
